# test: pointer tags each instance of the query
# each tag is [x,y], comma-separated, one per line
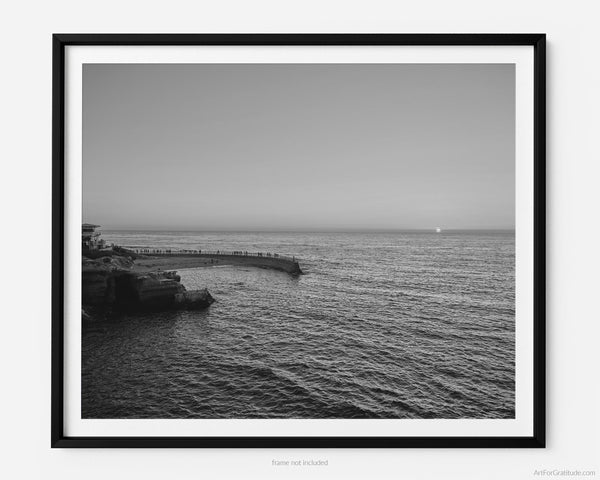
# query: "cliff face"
[109,282]
[155,291]
[98,283]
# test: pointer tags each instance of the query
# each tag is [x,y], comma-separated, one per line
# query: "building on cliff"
[90,237]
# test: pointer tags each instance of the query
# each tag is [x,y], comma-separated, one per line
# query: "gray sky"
[247,146]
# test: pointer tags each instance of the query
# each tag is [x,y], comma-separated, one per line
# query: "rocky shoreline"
[121,279]
[112,283]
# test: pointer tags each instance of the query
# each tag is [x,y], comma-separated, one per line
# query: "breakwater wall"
[273,261]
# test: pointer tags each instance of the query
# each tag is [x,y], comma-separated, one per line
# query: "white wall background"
[573,229]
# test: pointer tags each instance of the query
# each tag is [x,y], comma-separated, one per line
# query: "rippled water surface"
[401,325]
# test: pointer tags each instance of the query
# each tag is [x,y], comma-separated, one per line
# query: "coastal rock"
[158,291]
[98,278]
[109,282]
[97,284]
[117,262]
[194,299]
[152,292]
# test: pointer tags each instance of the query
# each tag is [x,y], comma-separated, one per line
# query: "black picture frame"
[61,41]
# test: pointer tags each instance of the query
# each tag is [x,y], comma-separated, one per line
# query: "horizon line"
[305,230]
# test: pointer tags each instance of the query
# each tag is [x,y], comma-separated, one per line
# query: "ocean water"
[382,325]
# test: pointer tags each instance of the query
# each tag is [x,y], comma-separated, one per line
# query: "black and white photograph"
[298,241]
[309,240]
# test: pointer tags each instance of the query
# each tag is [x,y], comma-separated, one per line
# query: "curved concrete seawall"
[284,264]
[195,258]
